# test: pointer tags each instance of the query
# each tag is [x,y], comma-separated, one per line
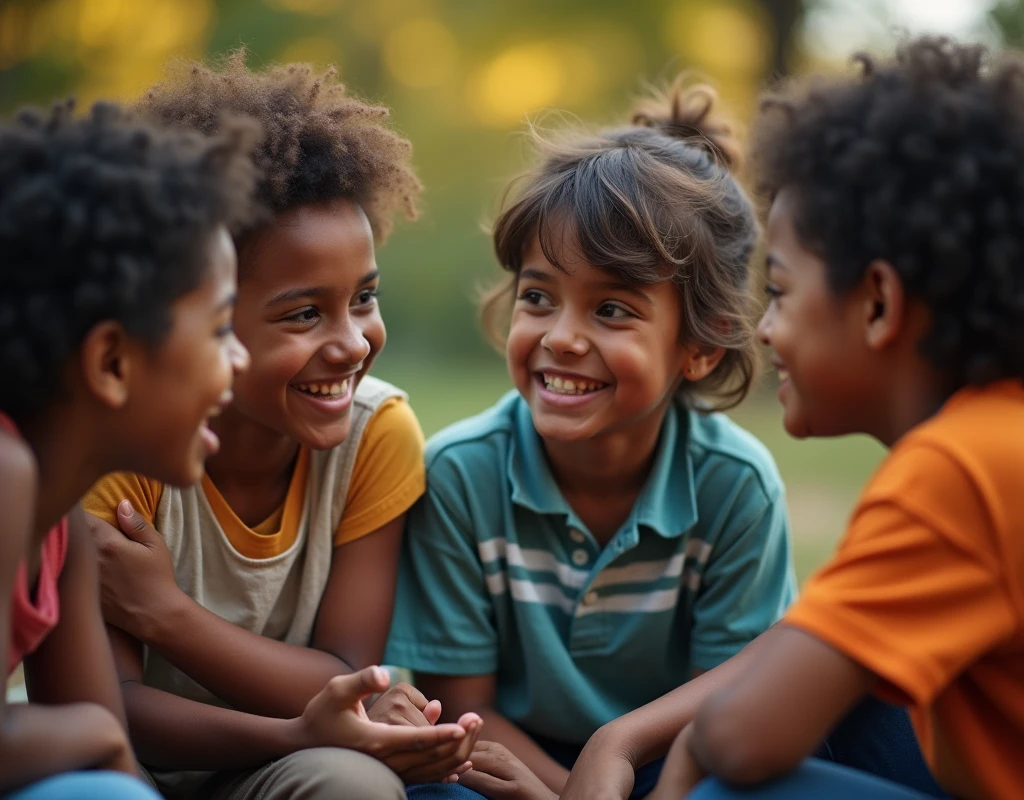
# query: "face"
[307,311]
[590,355]
[816,338]
[179,385]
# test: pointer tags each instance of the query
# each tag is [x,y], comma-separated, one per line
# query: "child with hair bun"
[601,535]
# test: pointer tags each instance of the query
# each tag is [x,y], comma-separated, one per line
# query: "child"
[597,538]
[276,571]
[897,309]
[116,290]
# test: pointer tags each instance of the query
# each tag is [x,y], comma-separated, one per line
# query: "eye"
[534,297]
[224,330]
[306,315]
[773,291]
[614,311]
[367,296]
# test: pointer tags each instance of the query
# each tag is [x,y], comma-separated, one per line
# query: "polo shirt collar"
[667,503]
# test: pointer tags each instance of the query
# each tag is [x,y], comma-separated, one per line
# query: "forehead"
[326,241]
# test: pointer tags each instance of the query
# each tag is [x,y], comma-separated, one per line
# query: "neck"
[251,454]
[610,465]
[912,395]
[68,463]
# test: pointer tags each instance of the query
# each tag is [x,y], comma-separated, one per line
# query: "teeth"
[783,375]
[325,389]
[560,385]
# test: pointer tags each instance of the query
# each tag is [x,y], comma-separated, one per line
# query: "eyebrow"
[312,292]
[772,260]
[619,286]
[226,303]
[535,274]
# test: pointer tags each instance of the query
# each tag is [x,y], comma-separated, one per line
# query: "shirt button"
[589,598]
[577,536]
[580,557]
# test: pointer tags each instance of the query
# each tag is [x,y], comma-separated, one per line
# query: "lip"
[330,405]
[565,400]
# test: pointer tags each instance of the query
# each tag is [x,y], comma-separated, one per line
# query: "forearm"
[171,732]
[240,667]
[39,741]
[498,729]
[647,733]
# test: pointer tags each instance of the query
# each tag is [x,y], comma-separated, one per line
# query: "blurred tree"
[785,16]
[1008,18]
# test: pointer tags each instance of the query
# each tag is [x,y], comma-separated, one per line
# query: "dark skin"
[307,312]
[871,336]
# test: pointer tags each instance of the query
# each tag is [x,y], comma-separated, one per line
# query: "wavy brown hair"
[652,201]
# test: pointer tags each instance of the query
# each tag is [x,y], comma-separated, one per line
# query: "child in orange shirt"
[895,245]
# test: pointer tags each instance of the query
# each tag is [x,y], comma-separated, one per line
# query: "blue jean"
[812,780]
[86,786]
[874,738]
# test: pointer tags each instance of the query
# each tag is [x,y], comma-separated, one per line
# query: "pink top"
[31,622]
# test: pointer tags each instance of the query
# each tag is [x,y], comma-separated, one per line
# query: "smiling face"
[817,340]
[307,311]
[187,378]
[591,355]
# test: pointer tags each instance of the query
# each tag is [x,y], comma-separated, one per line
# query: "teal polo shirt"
[500,576]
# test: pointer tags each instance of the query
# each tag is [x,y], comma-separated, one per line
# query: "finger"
[484,784]
[103,533]
[392,739]
[469,718]
[432,711]
[403,762]
[134,525]
[347,690]
[414,694]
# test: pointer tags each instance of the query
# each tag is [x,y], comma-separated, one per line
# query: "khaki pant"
[322,773]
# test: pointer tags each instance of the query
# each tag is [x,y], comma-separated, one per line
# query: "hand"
[499,775]
[403,704]
[418,754]
[103,731]
[681,771]
[136,572]
[603,771]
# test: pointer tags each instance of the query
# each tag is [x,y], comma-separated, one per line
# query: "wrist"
[165,617]
[612,740]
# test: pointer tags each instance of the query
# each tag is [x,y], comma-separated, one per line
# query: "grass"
[823,477]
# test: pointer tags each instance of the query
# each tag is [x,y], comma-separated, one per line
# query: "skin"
[307,311]
[76,719]
[849,364]
[580,325]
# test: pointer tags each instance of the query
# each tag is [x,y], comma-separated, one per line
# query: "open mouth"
[336,389]
[570,386]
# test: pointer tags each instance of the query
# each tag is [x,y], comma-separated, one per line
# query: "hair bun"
[687,111]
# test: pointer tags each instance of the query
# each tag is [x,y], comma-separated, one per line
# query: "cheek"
[523,337]
[375,334]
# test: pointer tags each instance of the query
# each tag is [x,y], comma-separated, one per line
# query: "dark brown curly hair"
[652,201]
[918,162]
[320,143]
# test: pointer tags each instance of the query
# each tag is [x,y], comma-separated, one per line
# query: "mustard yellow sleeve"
[144,494]
[388,475]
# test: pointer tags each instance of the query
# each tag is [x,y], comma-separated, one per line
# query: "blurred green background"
[462,76]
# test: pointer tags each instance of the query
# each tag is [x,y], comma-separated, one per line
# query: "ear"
[884,305]
[699,362]
[106,363]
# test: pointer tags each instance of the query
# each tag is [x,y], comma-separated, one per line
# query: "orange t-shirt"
[927,589]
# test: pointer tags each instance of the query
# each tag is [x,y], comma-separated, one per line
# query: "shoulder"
[18,483]
[726,456]
[17,466]
[477,446]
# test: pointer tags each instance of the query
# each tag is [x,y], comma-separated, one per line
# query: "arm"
[241,667]
[460,694]
[175,733]
[38,741]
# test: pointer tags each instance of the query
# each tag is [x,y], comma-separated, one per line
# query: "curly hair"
[103,217]
[918,162]
[653,201]
[319,142]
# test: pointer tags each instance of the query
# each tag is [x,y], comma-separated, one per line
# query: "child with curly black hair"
[238,598]
[896,285]
[117,283]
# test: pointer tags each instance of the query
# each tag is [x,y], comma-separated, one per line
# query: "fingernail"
[125,507]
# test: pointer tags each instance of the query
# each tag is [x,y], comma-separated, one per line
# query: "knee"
[329,773]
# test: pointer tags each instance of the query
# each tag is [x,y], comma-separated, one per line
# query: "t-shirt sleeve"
[388,473]
[749,582]
[144,493]
[444,619]
[915,593]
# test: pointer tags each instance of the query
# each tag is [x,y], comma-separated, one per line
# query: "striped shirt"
[500,576]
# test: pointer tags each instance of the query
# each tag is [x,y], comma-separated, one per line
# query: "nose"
[238,355]
[347,344]
[564,336]
[764,329]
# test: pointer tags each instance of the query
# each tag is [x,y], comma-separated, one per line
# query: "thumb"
[432,711]
[134,525]
[350,689]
